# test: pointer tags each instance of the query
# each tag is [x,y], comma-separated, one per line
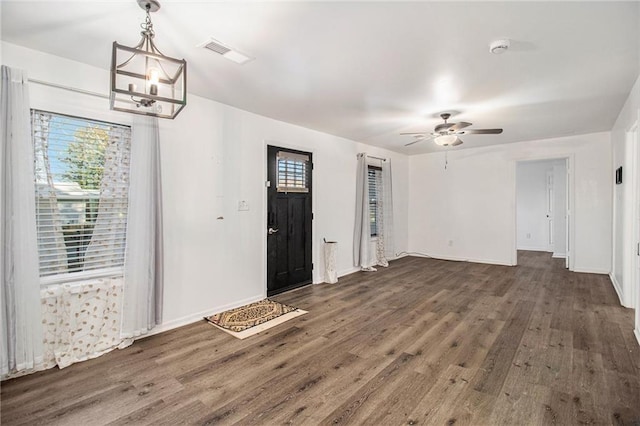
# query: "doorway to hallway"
[543,208]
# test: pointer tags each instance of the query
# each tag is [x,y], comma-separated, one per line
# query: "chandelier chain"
[147,25]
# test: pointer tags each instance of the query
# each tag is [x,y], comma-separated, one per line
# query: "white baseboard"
[348,271]
[472,260]
[190,319]
[559,255]
[616,287]
[534,248]
[591,270]
[340,274]
[354,270]
[637,333]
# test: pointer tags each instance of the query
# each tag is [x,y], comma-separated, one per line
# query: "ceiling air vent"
[217,47]
[227,52]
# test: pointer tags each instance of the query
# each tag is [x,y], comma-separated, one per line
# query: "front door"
[288,219]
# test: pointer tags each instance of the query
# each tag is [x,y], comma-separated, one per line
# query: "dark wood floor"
[422,342]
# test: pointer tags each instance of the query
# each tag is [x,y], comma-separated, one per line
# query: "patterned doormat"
[253,318]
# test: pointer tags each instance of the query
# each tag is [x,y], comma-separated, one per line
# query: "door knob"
[272,231]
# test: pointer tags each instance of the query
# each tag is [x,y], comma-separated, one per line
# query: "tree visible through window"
[375,182]
[82,182]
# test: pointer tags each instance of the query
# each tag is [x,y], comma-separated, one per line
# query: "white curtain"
[107,244]
[384,246]
[362,232]
[384,215]
[20,314]
[81,320]
[386,197]
[143,281]
[381,256]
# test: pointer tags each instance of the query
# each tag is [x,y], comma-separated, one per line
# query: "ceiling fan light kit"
[445,140]
[143,80]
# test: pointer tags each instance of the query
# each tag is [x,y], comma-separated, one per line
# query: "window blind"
[292,172]
[374,175]
[82,185]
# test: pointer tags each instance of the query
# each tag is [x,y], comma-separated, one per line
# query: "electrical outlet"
[528,236]
[243,205]
[450,243]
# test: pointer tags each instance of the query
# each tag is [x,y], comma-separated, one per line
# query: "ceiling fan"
[446,134]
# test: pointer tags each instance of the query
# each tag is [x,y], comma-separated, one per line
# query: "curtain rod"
[71,89]
[377,158]
[370,156]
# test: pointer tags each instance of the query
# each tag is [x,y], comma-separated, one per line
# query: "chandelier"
[143,80]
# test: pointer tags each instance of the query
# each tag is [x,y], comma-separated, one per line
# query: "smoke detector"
[499,46]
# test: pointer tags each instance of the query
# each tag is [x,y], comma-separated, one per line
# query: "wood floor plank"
[423,341]
[495,368]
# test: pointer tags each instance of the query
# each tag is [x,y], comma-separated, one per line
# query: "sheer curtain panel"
[143,279]
[20,313]
[362,231]
[387,212]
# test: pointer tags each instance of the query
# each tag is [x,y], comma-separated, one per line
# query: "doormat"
[253,318]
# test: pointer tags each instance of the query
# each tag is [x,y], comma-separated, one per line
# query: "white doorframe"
[631,218]
[637,297]
[550,210]
[570,228]
[636,207]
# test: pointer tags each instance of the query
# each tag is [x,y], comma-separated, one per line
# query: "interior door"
[550,211]
[289,218]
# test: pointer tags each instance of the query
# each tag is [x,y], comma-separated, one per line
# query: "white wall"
[532,231]
[213,156]
[472,202]
[624,241]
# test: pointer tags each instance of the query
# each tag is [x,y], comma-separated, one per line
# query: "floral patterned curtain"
[81,321]
[107,244]
[381,258]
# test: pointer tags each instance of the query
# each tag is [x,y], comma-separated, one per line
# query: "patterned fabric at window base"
[245,317]
[81,321]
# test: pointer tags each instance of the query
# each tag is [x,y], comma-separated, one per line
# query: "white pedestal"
[330,269]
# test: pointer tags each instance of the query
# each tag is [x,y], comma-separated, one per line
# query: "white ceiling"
[369,70]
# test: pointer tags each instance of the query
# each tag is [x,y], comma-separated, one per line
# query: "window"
[82,185]
[292,172]
[375,183]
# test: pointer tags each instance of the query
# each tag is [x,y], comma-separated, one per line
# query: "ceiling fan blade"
[457,142]
[459,126]
[412,142]
[414,133]
[481,132]
[419,139]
